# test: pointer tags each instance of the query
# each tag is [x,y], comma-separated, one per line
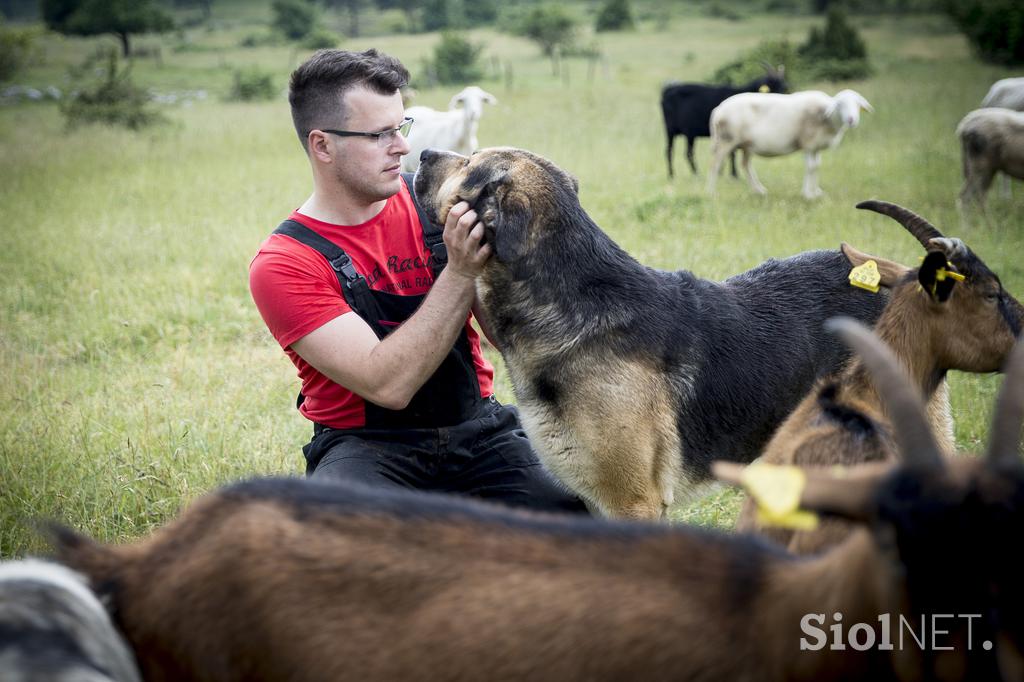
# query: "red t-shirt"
[297,291]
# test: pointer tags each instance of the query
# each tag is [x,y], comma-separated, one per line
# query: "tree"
[294,18]
[615,15]
[17,46]
[443,14]
[204,5]
[550,27]
[995,28]
[456,60]
[123,18]
[408,7]
[352,7]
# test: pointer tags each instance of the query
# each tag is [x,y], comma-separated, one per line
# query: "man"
[391,369]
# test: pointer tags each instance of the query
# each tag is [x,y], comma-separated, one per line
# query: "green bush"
[114,99]
[614,15]
[995,28]
[259,39]
[834,70]
[750,64]
[251,85]
[720,11]
[294,18]
[455,60]
[321,39]
[838,40]
[836,52]
[481,12]
[17,46]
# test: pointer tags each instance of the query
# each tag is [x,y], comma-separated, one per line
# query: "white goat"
[772,124]
[991,140]
[1007,93]
[453,130]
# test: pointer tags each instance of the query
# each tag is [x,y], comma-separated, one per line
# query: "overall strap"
[433,235]
[353,285]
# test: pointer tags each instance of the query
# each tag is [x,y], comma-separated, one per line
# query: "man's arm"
[388,372]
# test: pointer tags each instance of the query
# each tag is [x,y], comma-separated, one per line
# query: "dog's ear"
[575,183]
[506,214]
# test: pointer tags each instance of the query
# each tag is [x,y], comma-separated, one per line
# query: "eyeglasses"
[385,138]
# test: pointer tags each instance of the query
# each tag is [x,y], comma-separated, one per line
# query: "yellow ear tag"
[776,490]
[943,273]
[764,88]
[866,276]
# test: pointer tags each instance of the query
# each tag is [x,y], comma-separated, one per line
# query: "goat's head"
[774,79]
[940,527]
[471,100]
[846,105]
[968,319]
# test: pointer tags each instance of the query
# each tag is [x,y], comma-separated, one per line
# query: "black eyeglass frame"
[388,134]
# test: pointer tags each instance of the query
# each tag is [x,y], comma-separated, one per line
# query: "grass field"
[135,372]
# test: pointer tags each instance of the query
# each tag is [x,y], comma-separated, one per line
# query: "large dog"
[631,380]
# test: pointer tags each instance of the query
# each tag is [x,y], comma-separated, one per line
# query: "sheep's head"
[969,321]
[471,100]
[846,105]
[515,193]
[940,528]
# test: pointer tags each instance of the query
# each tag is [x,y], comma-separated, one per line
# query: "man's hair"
[317,88]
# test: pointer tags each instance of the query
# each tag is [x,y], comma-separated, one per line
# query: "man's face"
[365,168]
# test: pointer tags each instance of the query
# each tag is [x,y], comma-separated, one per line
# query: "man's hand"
[462,237]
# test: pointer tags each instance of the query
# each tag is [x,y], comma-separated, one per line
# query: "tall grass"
[135,373]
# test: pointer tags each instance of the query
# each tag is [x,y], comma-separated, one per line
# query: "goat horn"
[954,248]
[902,402]
[1009,412]
[915,224]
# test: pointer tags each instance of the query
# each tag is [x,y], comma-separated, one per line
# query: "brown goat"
[934,323]
[299,580]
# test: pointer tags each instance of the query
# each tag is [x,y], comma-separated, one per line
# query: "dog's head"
[516,194]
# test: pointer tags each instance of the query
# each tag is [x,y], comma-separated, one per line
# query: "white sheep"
[991,140]
[772,124]
[452,130]
[1007,93]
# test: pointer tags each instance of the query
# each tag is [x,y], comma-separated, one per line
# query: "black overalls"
[448,438]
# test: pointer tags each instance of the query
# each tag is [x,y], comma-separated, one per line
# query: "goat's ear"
[890,271]
[864,104]
[489,98]
[934,276]
[506,215]
[457,101]
[847,493]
